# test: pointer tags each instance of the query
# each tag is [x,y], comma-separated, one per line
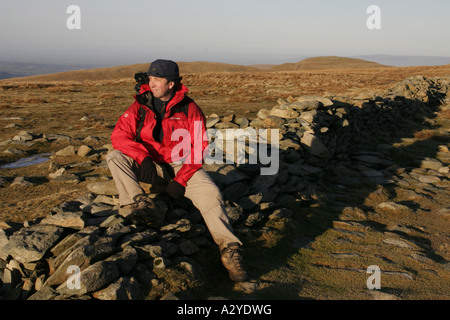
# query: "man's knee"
[114,155]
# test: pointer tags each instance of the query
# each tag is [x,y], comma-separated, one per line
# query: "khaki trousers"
[200,189]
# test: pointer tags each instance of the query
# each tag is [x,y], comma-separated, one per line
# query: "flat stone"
[66,219]
[24,136]
[429,179]
[397,243]
[92,279]
[66,152]
[286,114]
[32,243]
[430,163]
[211,121]
[82,257]
[314,146]
[85,151]
[379,295]
[21,181]
[45,293]
[104,188]
[393,206]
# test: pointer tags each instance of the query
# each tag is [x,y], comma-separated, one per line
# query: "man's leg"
[206,197]
[124,171]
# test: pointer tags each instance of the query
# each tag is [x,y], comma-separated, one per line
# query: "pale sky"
[121,32]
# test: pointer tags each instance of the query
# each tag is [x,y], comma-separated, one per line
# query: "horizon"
[401,60]
[113,33]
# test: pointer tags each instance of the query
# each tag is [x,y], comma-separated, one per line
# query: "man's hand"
[175,190]
[148,171]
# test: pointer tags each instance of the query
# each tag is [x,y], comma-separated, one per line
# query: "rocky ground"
[363,181]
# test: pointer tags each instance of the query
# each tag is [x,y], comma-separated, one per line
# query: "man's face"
[161,88]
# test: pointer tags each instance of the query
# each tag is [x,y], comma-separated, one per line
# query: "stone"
[66,178]
[286,114]
[14,151]
[45,293]
[316,101]
[273,122]
[397,243]
[212,121]
[379,295]
[24,136]
[66,152]
[82,257]
[430,163]
[32,243]
[57,173]
[125,288]
[22,182]
[96,276]
[103,187]
[73,220]
[187,247]
[309,116]
[61,253]
[393,206]
[249,202]
[263,114]
[85,151]
[226,125]
[224,174]
[234,214]
[138,238]
[253,219]
[429,179]
[125,259]
[314,145]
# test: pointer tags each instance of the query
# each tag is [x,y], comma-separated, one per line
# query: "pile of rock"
[86,240]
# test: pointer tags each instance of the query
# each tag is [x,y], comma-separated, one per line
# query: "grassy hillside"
[123,72]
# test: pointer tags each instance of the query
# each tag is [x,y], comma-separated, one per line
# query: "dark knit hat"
[164,69]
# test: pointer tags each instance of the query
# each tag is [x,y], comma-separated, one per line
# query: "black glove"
[148,171]
[141,78]
[175,190]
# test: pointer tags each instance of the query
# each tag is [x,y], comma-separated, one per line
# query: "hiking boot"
[232,261]
[143,211]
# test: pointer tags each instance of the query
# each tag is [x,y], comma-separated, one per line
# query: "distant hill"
[406,61]
[128,71]
[122,72]
[24,69]
[323,63]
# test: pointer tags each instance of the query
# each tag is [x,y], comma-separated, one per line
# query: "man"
[146,142]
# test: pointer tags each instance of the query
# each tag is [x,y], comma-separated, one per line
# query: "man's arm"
[124,133]
[197,130]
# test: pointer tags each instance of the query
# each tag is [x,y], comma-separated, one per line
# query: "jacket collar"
[179,94]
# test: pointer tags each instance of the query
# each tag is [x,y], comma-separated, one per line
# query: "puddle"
[25,162]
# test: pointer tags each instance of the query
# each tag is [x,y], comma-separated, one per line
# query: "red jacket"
[190,140]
